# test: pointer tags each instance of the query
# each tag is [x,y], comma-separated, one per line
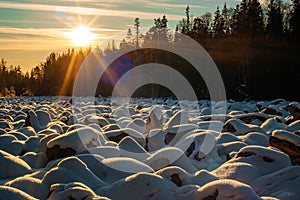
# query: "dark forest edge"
[255,47]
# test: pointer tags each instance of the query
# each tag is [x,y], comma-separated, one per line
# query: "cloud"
[51,32]
[171,5]
[54,33]
[85,11]
[44,38]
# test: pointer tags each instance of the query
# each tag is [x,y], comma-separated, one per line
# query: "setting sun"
[81,36]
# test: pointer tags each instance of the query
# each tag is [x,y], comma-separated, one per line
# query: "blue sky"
[31,29]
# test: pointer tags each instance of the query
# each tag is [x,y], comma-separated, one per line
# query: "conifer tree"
[137,31]
[295,20]
[275,17]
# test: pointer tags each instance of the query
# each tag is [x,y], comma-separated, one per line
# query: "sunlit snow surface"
[55,148]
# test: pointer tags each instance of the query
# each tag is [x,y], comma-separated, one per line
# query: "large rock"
[72,170]
[282,184]
[138,186]
[73,190]
[73,142]
[14,194]
[226,189]
[12,166]
[287,142]
[252,162]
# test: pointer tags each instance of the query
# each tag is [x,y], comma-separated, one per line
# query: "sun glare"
[81,36]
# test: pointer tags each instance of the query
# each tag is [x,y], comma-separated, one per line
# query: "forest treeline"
[256,48]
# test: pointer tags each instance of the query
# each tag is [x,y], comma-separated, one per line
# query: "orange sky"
[30,29]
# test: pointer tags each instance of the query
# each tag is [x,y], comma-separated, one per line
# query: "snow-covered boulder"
[12,166]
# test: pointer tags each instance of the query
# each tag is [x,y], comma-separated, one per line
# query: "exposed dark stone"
[106,116]
[118,137]
[23,152]
[146,144]
[175,178]
[212,197]
[56,152]
[64,120]
[267,159]
[190,150]
[50,193]
[206,119]
[228,128]
[169,137]
[138,107]
[287,147]
[295,112]
[244,154]
[296,161]
[250,118]
[27,120]
[278,120]
[228,157]
[297,132]
[271,111]
[290,120]
[260,107]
